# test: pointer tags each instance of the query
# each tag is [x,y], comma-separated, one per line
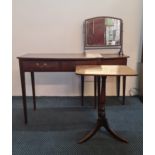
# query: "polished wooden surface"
[70,56]
[53,56]
[103,71]
[108,70]
[35,62]
[66,62]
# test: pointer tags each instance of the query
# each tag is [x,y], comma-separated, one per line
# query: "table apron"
[65,65]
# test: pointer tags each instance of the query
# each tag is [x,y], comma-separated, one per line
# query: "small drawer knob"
[37,64]
[45,64]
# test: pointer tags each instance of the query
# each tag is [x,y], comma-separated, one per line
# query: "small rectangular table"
[63,63]
[103,71]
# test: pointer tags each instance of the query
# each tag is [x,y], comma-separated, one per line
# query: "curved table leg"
[91,133]
[115,135]
[102,122]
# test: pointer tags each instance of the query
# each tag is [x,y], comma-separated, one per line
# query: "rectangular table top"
[107,70]
[70,56]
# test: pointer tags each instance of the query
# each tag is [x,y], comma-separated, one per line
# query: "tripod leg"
[91,133]
[102,114]
[106,125]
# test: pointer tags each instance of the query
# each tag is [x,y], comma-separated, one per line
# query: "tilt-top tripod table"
[103,71]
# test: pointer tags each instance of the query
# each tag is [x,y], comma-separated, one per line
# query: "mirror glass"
[102,32]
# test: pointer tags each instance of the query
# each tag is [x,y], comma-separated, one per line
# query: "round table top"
[105,70]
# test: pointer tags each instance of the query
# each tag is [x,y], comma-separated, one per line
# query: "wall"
[55,26]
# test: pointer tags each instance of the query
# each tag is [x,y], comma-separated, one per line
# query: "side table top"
[107,70]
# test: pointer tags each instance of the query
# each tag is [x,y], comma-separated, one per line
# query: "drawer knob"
[37,64]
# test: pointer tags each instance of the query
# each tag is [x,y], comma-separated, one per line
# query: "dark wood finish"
[110,61]
[55,66]
[59,63]
[124,88]
[118,85]
[98,87]
[95,33]
[82,89]
[22,76]
[33,90]
[102,120]
[95,89]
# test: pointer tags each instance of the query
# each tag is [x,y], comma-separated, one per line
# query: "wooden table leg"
[118,85]
[33,90]
[82,89]
[98,87]
[95,89]
[124,87]
[22,76]
[102,121]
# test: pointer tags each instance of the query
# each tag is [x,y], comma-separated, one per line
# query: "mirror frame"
[89,47]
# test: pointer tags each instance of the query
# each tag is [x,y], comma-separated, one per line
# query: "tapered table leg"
[124,87]
[82,89]
[102,121]
[95,88]
[33,90]
[98,87]
[22,76]
[118,86]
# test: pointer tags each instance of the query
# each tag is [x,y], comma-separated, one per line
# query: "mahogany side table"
[103,71]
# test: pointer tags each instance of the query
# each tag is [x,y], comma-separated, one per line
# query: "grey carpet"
[59,122]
